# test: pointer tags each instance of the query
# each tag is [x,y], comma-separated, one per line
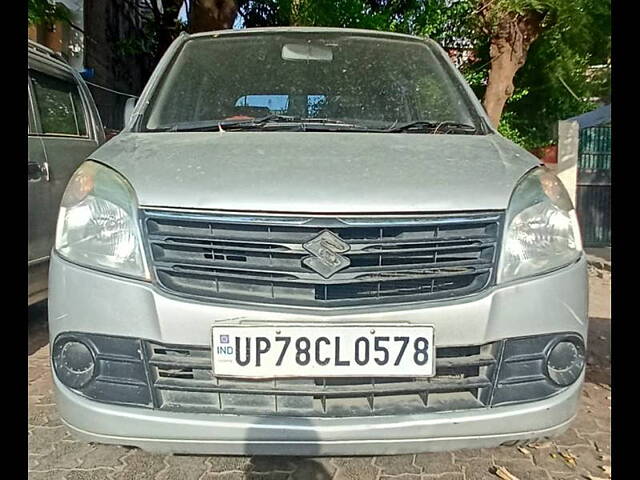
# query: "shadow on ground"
[599,351]
[38,328]
[306,468]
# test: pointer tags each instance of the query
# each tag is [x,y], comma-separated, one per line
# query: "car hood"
[318,172]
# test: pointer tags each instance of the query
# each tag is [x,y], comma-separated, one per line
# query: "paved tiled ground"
[582,452]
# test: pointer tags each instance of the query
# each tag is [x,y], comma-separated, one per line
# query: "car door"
[65,131]
[39,241]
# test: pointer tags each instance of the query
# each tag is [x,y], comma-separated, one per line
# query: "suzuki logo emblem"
[325,250]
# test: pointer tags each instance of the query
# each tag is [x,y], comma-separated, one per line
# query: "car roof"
[262,30]
[40,52]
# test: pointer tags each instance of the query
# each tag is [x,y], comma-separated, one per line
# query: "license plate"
[326,351]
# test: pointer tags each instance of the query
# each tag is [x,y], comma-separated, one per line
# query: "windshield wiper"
[208,125]
[267,121]
[444,127]
[296,121]
[275,117]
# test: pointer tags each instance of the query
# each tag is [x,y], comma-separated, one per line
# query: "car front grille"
[182,381]
[270,259]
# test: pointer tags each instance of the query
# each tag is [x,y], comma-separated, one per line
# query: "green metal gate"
[593,199]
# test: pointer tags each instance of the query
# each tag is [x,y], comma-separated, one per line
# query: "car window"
[367,80]
[59,105]
[277,104]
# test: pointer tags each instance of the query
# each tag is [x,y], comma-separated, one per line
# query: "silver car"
[312,242]
[64,128]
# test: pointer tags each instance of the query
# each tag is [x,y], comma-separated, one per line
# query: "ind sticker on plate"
[327,351]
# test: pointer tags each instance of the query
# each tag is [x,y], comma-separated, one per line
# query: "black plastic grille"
[144,373]
[260,259]
[182,381]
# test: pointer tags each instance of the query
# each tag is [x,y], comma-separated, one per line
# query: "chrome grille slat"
[420,270]
[293,248]
[367,249]
[260,259]
[196,243]
[278,235]
[261,276]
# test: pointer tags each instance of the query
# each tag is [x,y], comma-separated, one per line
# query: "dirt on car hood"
[318,172]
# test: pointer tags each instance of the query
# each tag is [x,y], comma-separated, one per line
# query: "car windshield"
[337,80]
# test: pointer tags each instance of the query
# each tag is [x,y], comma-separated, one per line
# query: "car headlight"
[98,224]
[541,231]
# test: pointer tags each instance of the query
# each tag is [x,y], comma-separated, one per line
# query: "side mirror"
[128,109]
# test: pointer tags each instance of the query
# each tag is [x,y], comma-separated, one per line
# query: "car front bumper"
[166,432]
[82,300]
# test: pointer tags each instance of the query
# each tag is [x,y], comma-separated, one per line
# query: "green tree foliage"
[43,12]
[445,20]
[558,77]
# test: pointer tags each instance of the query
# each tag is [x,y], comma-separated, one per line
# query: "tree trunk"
[510,42]
[505,62]
[207,15]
